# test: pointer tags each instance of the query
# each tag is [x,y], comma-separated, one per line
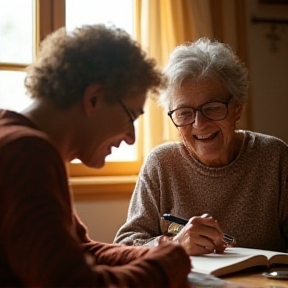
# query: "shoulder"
[167,147]
[162,156]
[23,142]
[29,155]
[16,129]
[25,139]
[265,146]
[265,140]
[165,151]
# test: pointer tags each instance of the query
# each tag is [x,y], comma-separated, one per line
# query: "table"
[253,277]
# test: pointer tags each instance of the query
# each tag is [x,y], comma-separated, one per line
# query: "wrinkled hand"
[201,235]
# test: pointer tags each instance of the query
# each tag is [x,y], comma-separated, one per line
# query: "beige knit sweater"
[248,197]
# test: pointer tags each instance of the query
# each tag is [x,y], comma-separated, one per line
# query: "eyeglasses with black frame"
[214,111]
[129,113]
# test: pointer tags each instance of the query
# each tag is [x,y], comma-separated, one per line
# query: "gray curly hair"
[205,58]
[69,61]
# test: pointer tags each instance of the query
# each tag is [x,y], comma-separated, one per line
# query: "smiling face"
[107,125]
[214,143]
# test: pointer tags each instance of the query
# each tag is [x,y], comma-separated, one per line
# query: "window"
[16,51]
[21,38]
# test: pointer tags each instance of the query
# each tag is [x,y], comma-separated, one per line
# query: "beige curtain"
[161,25]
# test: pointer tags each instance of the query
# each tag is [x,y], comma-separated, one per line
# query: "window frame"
[50,15]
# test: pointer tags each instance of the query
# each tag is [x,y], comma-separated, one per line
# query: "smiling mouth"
[206,137]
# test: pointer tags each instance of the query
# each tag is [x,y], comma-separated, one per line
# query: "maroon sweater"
[42,241]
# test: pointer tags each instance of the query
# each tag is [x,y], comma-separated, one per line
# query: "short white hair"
[205,58]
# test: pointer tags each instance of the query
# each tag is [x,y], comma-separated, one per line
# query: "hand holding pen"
[199,235]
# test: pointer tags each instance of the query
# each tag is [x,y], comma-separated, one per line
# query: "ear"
[91,97]
[239,109]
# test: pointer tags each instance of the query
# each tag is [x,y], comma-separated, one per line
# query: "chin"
[97,164]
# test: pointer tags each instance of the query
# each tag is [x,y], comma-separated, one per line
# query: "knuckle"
[194,220]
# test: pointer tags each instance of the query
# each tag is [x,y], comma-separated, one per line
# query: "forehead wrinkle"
[204,87]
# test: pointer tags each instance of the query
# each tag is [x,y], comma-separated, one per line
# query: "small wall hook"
[274,37]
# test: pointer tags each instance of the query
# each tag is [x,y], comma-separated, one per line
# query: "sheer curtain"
[161,25]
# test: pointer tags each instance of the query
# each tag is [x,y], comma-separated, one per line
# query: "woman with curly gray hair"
[88,86]
[218,178]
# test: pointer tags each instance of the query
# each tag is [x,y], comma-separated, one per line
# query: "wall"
[268,69]
[103,218]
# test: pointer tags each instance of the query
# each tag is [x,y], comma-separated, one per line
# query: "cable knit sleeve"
[142,226]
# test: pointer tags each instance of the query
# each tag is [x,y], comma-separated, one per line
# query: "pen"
[230,240]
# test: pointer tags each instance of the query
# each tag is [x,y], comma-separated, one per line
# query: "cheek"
[186,133]
[111,135]
[228,130]
[110,129]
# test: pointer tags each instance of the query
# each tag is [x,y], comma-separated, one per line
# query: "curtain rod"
[257,20]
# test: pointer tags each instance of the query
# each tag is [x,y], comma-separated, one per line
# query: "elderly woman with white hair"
[219,178]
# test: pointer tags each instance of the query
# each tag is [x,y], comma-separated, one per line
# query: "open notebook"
[235,259]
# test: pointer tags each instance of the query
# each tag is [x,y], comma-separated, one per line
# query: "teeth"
[204,136]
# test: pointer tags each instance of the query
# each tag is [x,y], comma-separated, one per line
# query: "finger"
[205,250]
[197,244]
[210,246]
[207,228]
[220,249]
[211,223]
[205,215]
[192,238]
[192,248]
[218,228]
[201,221]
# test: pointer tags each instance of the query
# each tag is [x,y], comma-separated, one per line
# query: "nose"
[130,136]
[199,119]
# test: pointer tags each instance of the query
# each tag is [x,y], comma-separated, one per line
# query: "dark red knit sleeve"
[104,253]
[39,245]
